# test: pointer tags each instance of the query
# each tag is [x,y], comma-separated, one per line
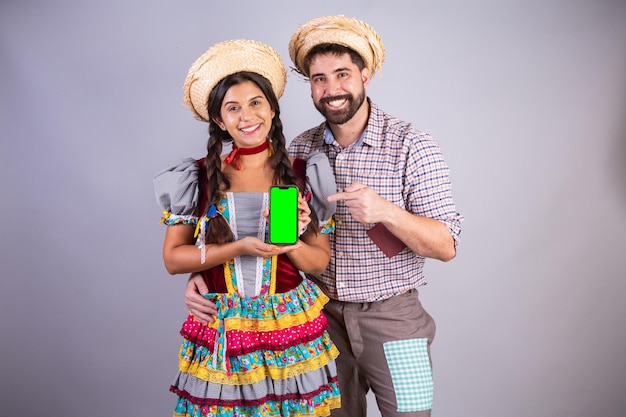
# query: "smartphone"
[283,218]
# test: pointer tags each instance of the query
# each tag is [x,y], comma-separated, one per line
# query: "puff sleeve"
[320,181]
[176,190]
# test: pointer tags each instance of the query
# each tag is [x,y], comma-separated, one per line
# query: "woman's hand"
[304,214]
[256,247]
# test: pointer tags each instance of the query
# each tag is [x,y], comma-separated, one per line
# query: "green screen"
[283,216]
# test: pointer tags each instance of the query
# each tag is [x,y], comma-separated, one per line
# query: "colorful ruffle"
[268,355]
[170,219]
[327,227]
[240,342]
[317,403]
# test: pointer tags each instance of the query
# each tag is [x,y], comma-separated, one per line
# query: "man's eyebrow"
[343,69]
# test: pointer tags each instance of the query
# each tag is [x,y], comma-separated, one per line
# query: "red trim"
[302,397]
[242,342]
[233,156]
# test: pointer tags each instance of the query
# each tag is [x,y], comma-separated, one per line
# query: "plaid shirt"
[404,166]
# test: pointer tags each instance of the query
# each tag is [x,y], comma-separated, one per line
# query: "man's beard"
[339,117]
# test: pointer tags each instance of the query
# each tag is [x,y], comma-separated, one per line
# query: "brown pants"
[359,331]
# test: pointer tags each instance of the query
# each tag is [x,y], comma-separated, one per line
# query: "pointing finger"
[338,197]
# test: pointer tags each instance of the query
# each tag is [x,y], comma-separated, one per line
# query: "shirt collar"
[329,138]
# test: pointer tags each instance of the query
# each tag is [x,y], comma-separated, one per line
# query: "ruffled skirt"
[269,355]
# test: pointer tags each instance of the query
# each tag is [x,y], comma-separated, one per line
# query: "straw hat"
[351,33]
[227,58]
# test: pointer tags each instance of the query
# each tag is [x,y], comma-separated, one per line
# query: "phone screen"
[283,216]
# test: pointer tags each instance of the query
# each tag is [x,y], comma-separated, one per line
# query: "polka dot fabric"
[268,355]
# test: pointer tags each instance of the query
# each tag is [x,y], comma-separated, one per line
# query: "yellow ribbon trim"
[229,278]
[197,229]
[166,215]
[273,267]
[230,287]
[251,376]
[273,323]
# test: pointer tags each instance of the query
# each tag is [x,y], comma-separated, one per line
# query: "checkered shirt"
[404,166]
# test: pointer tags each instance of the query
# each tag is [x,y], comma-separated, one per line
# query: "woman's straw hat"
[227,58]
[351,33]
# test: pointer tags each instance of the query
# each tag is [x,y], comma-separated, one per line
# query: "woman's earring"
[219,124]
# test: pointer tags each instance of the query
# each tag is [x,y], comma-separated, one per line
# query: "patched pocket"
[411,374]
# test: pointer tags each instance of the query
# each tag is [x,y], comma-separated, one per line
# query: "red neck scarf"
[233,156]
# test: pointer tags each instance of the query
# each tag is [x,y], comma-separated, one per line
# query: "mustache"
[333,98]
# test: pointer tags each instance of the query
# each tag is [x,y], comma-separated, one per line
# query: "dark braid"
[219,231]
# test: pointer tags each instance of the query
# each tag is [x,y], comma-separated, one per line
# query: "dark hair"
[219,231]
[334,49]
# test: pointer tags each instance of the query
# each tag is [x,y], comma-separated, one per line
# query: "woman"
[267,353]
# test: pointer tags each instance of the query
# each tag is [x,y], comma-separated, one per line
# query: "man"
[394,209]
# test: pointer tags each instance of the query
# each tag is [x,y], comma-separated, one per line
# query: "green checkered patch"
[410,373]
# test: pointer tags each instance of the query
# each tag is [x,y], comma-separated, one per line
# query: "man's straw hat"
[227,58]
[351,33]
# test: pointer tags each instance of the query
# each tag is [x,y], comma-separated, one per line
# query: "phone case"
[283,217]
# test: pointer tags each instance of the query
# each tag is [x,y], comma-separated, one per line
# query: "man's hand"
[364,205]
[203,309]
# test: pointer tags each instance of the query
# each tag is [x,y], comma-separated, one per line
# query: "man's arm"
[425,236]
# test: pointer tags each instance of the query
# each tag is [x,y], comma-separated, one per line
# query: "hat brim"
[351,33]
[227,58]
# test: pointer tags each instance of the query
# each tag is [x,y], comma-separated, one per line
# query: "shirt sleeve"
[429,189]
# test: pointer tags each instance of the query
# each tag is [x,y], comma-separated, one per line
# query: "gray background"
[527,99]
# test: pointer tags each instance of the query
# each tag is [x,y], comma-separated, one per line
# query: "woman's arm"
[313,255]
[182,256]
